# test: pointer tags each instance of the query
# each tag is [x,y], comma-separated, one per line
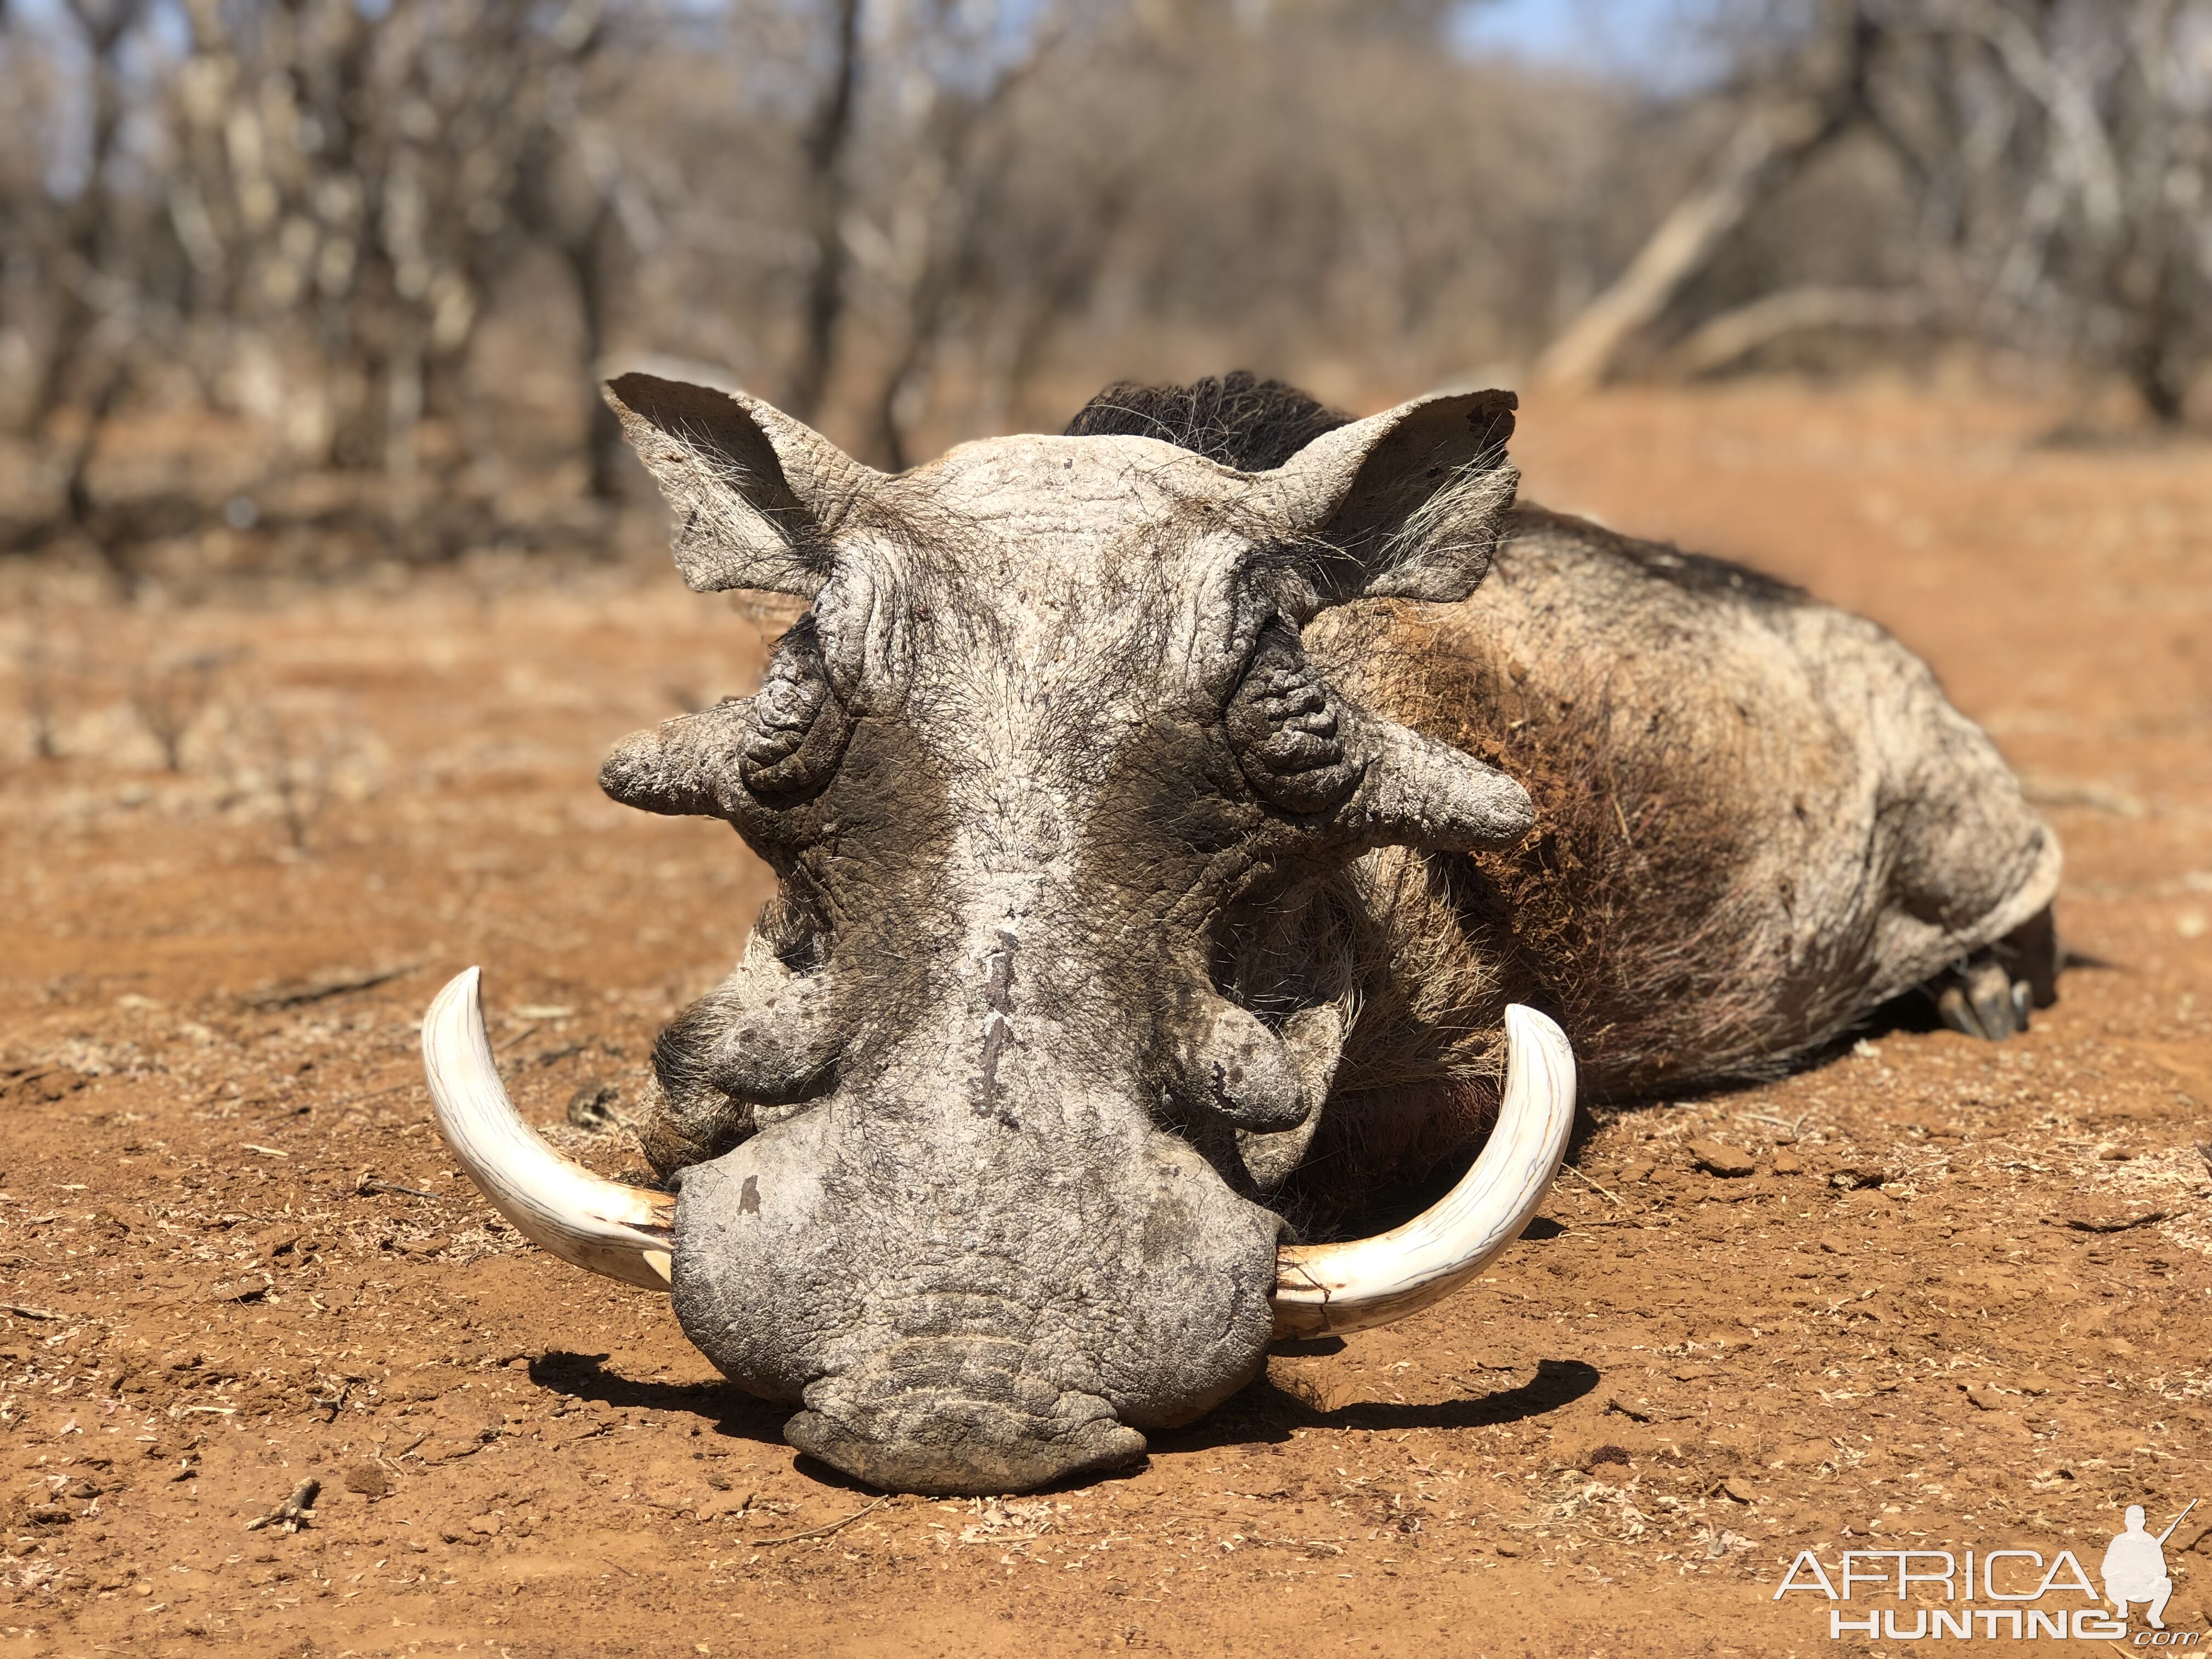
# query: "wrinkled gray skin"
[975,1153]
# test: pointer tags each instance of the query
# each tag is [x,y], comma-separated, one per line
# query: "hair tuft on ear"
[1450,537]
[1406,504]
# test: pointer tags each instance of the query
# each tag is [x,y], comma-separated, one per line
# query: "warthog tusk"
[1325,1288]
[624,1232]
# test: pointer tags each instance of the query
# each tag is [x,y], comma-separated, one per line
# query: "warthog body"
[1145,896]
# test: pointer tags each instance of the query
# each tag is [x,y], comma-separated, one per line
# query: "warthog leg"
[1989,993]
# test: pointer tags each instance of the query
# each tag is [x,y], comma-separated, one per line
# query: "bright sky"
[1654,40]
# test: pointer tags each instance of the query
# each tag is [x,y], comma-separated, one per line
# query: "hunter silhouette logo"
[2134,1568]
[2021,1596]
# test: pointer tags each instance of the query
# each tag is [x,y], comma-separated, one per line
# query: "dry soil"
[1960,1303]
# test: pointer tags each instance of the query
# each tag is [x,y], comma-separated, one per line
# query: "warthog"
[1174,851]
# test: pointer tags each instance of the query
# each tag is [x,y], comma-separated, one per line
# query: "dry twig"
[1569,1169]
[824,1532]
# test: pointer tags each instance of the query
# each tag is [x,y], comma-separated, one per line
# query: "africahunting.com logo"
[2027,1599]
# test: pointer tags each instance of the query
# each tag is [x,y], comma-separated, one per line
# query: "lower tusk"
[1324,1288]
[603,1226]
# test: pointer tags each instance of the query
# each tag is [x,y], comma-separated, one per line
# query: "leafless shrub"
[298,774]
[36,667]
[169,698]
[291,757]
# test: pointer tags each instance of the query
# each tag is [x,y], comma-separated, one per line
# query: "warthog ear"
[758,494]
[1405,504]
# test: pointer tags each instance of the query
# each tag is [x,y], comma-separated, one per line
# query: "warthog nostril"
[948,1441]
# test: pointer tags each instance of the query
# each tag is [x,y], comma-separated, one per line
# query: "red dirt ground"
[1613,1445]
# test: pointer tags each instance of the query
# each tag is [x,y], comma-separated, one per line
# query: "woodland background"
[312,282]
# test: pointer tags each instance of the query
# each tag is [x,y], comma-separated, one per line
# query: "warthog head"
[971,1151]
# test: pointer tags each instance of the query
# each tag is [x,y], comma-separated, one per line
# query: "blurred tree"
[366,172]
[90,281]
[2054,153]
[318,199]
[829,134]
[942,147]
[1795,103]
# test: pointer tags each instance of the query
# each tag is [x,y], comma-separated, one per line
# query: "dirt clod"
[1854,1176]
[1715,1159]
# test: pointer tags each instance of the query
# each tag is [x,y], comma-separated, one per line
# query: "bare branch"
[1766,150]
[1735,334]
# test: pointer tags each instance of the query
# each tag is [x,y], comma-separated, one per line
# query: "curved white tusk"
[1324,1288]
[604,1226]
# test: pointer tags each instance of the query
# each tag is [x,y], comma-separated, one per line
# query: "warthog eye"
[799,728]
[1283,720]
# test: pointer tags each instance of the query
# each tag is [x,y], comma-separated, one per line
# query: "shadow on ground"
[1265,1411]
[732,1411]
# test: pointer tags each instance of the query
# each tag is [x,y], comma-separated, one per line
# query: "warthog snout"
[960,1414]
[975,1301]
